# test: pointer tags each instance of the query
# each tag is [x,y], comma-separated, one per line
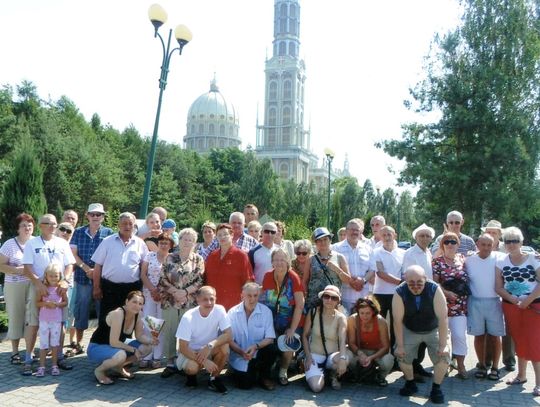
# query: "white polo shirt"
[392,263]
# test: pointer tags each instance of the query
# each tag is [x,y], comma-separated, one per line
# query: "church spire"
[286,28]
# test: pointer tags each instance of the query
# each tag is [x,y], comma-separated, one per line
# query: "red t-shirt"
[227,275]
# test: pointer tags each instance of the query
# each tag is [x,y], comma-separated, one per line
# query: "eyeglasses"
[454,222]
[330,297]
[512,241]
[65,230]
[301,253]
[95,214]
[272,232]
[417,282]
[452,242]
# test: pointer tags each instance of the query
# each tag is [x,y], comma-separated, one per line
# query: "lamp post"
[158,16]
[329,157]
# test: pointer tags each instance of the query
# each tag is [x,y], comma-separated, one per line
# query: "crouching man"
[420,315]
[204,333]
[252,344]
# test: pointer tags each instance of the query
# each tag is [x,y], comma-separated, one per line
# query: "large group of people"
[250,301]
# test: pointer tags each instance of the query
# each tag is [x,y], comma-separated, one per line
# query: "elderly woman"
[208,235]
[327,267]
[254,229]
[286,245]
[368,340]
[153,223]
[283,293]
[108,345]
[517,282]
[150,275]
[324,340]
[302,263]
[16,286]
[181,277]
[449,272]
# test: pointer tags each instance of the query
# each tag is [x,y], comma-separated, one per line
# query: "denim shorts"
[98,353]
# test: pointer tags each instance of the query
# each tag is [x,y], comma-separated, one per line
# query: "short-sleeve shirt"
[39,253]
[14,253]
[282,309]
[181,275]
[199,330]
[227,275]
[86,245]
[359,262]
[247,332]
[260,258]
[466,244]
[415,256]
[519,280]
[481,274]
[120,262]
[51,314]
[392,263]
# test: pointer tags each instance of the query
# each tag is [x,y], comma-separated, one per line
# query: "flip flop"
[15,359]
[516,380]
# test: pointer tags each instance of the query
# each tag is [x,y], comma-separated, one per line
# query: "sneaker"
[191,380]
[436,396]
[40,372]
[217,385]
[408,389]
[55,371]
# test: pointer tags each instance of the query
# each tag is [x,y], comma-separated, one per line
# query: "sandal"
[78,349]
[15,359]
[283,380]
[156,364]
[494,375]
[480,373]
[40,372]
[27,370]
[462,375]
[536,391]
[516,380]
[55,371]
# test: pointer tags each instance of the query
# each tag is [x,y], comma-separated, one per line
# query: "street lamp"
[329,157]
[158,16]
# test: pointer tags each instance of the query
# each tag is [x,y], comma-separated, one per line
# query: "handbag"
[457,286]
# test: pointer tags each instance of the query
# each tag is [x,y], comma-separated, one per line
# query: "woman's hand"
[156,296]
[367,361]
[308,361]
[341,367]
[451,295]
[180,296]
[289,333]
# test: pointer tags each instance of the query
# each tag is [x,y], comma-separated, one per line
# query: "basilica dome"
[212,122]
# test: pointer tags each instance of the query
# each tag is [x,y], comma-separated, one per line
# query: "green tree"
[483,80]
[23,191]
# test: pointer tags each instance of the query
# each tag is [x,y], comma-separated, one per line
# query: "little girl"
[50,319]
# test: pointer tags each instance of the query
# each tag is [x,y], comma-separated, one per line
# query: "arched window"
[292,49]
[272,116]
[282,47]
[201,128]
[231,131]
[284,170]
[287,90]
[286,115]
[222,142]
[272,94]
[222,130]
[211,129]
[192,129]
[286,136]
[201,144]
[271,137]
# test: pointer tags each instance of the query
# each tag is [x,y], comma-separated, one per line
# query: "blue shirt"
[86,245]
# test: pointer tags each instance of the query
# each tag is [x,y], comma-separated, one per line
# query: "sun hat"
[423,226]
[95,207]
[321,232]
[492,224]
[293,346]
[332,290]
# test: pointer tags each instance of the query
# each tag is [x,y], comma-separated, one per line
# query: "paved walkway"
[78,388]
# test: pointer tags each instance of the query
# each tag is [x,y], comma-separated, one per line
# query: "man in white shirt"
[420,255]
[389,261]
[39,252]
[260,255]
[358,256]
[485,317]
[252,341]
[204,333]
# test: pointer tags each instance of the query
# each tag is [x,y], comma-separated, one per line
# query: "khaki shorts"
[32,312]
[411,341]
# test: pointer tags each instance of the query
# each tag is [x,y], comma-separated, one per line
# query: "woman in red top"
[367,335]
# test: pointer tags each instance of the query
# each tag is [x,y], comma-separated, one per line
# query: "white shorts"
[49,334]
[316,359]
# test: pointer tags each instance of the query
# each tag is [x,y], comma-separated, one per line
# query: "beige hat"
[332,290]
[492,224]
[95,207]
[423,226]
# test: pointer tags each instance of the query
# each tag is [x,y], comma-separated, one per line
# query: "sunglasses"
[95,214]
[66,230]
[513,241]
[272,232]
[452,242]
[454,222]
[301,253]
[49,224]
[330,297]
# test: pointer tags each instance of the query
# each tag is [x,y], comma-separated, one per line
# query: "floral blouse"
[447,272]
[181,275]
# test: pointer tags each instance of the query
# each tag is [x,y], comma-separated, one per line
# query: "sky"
[361,59]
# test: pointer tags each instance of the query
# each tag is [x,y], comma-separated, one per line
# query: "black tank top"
[102,334]
[419,314]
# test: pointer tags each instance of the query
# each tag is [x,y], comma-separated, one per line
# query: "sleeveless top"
[320,278]
[368,340]
[330,335]
[419,314]
[102,334]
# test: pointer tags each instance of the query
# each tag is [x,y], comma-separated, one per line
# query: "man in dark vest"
[420,315]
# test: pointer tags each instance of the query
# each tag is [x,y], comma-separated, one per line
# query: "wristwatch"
[210,346]
[343,357]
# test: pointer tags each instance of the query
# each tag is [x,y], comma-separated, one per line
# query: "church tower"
[282,137]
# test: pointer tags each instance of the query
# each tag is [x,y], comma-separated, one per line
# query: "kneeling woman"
[107,345]
[324,340]
[367,333]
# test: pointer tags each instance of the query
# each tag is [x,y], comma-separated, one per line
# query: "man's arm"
[96,279]
[398,312]
[383,275]
[441,311]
